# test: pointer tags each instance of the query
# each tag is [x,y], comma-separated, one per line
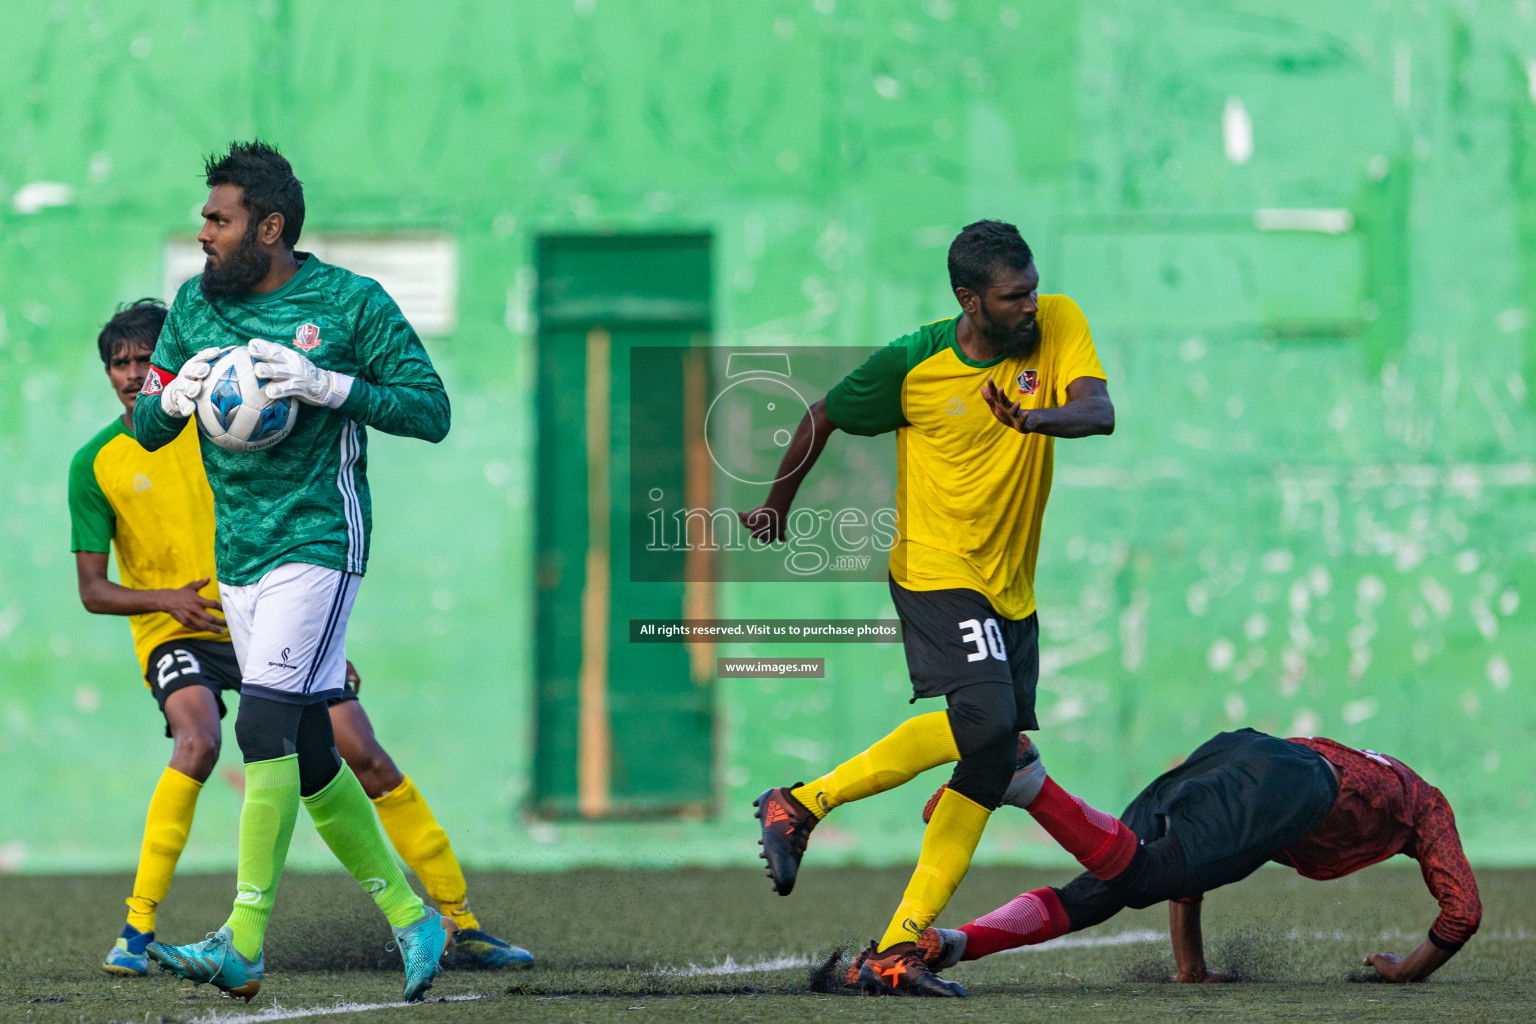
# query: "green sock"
[266,827]
[344,818]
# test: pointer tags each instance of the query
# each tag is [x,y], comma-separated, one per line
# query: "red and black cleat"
[901,970]
[787,825]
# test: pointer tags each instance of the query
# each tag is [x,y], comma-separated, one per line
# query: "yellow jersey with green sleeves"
[156,510]
[970,492]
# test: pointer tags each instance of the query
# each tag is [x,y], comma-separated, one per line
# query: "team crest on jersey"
[1029,382]
[152,385]
[306,337]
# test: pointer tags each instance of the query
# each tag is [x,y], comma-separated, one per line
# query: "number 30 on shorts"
[986,637]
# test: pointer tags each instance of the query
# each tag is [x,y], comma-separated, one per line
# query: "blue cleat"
[127,954]
[475,950]
[215,960]
[421,947]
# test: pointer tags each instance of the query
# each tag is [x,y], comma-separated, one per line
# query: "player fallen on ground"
[291,527]
[1241,799]
[976,402]
[157,510]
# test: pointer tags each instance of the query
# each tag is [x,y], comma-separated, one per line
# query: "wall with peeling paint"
[1302,233]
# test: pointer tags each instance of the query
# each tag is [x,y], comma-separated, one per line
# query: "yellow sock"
[165,835]
[913,747]
[422,844]
[953,832]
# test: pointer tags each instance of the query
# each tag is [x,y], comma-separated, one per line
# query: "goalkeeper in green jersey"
[291,537]
[156,510]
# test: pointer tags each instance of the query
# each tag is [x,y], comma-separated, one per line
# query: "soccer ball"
[234,412]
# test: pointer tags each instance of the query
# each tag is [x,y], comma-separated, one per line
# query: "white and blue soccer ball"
[234,412]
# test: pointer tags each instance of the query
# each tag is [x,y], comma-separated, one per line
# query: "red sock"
[1100,842]
[1022,921]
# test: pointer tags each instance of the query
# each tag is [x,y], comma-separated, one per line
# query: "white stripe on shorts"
[352,508]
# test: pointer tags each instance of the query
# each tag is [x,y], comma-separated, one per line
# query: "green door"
[622,729]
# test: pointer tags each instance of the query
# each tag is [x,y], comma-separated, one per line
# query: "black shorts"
[955,637]
[1236,802]
[347,693]
[177,664]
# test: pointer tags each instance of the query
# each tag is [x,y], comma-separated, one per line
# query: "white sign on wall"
[420,272]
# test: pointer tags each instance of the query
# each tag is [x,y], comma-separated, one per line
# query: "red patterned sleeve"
[1437,846]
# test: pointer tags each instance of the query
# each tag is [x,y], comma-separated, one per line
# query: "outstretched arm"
[1437,846]
[1189,943]
[766,522]
[1088,411]
[102,596]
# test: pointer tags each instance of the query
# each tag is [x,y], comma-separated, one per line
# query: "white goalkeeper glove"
[291,373]
[179,398]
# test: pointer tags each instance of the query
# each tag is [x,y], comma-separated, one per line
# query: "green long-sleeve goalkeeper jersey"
[306,498]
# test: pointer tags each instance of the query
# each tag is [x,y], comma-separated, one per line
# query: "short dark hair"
[138,321]
[266,181]
[983,248]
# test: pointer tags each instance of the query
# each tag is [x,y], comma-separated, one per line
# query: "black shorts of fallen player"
[347,693]
[178,664]
[954,638]
[1237,801]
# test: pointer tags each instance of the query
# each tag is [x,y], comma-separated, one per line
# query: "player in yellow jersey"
[156,509]
[976,403]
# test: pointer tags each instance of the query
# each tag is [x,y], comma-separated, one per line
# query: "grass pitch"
[718,945]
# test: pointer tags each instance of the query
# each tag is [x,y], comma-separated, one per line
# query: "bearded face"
[237,270]
[1018,340]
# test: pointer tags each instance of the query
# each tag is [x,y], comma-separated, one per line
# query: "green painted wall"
[1314,516]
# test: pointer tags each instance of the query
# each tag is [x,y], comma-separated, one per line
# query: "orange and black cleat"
[787,825]
[939,948]
[901,970]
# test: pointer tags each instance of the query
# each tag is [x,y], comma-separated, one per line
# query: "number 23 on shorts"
[176,663]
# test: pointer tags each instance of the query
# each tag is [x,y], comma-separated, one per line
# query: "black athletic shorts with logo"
[954,638]
[177,664]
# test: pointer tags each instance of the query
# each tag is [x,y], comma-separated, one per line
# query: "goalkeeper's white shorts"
[289,629]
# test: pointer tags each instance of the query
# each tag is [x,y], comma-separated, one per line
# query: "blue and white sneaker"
[475,950]
[127,954]
[421,947]
[215,960]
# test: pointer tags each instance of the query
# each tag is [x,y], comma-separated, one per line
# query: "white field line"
[1130,938]
[276,1012]
[782,962]
[1397,934]
[786,961]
